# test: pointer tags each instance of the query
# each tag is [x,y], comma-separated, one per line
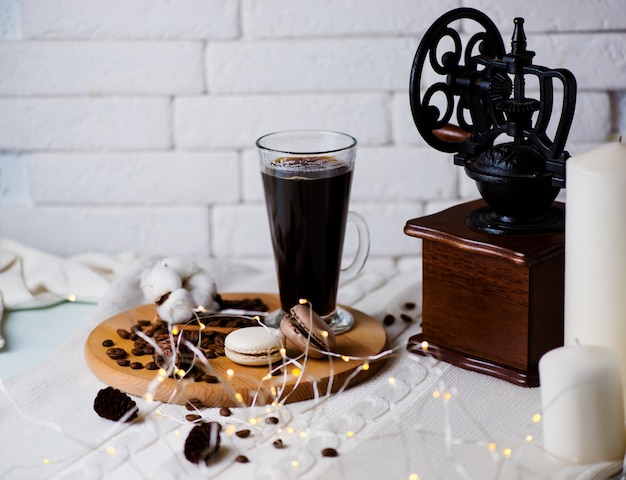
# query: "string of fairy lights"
[253,416]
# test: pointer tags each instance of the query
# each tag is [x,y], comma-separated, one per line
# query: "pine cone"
[203,442]
[113,404]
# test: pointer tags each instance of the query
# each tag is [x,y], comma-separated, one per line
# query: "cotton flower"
[178,287]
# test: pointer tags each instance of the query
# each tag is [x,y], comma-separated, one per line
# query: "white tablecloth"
[415,417]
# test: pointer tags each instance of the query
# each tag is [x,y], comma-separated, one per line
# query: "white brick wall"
[130,125]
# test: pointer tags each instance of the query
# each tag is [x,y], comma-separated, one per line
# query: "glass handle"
[363,247]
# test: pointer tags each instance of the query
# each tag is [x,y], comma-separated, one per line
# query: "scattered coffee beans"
[125,334]
[136,365]
[225,412]
[116,353]
[192,417]
[108,343]
[329,452]
[194,404]
[243,433]
[241,459]
[278,443]
[152,366]
[271,420]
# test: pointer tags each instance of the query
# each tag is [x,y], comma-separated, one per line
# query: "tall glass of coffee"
[307,175]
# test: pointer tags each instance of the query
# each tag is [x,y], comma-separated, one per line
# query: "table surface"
[416,418]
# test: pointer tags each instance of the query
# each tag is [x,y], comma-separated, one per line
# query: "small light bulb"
[414,476]
[296,372]
[230,430]
[536,418]
[283,352]
[110,451]
[345,358]
[46,461]
[149,397]
[230,372]
[302,301]
[289,430]
[447,396]
[436,394]
[294,464]
[174,330]
[302,434]
[349,434]
[491,447]
[392,381]
[366,366]
[71,297]
[424,345]
[239,397]
[507,452]
[529,438]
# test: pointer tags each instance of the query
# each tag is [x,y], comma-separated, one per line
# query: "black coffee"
[307,204]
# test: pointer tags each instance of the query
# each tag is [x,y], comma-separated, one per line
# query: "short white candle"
[595,250]
[581,398]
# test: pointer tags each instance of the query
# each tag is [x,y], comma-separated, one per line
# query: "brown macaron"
[307,331]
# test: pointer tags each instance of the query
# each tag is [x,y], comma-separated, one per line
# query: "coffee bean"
[210,378]
[136,365]
[406,318]
[108,343]
[123,362]
[389,319]
[137,352]
[192,417]
[329,452]
[152,366]
[271,420]
[210,353]
[243,433]
[225,412]
[278,443]
[116,353]
[194,404]
[148,350]
[125,334]
[144,323]
[242,459]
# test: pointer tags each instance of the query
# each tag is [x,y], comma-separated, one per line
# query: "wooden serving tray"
[246,385]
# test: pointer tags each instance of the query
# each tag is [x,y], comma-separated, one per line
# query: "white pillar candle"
[595,250]
[581,398]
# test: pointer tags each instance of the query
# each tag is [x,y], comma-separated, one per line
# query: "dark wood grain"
[491,303]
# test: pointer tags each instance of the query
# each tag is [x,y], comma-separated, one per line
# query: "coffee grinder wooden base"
[491,303]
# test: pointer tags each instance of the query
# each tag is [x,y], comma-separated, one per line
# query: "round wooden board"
[367,338]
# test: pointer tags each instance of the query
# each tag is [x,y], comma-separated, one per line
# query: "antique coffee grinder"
[493,269]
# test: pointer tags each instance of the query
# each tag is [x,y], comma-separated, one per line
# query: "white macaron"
[253,346]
